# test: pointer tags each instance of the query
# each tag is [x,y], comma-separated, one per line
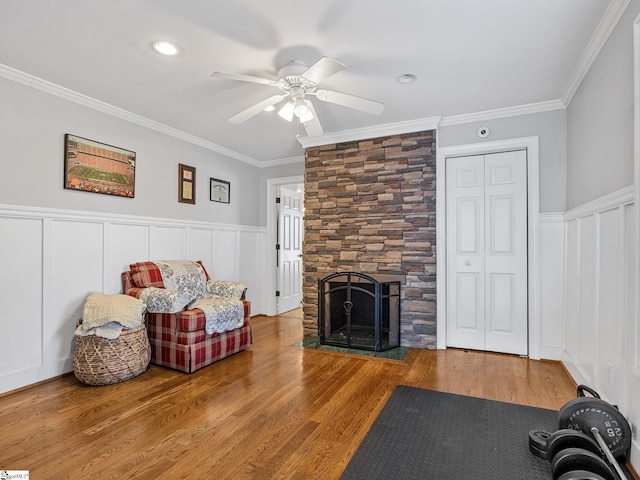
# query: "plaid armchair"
[179,340]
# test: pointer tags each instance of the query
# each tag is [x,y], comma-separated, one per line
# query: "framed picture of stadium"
[92,166]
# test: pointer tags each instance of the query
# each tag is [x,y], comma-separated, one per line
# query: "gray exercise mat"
[424,434]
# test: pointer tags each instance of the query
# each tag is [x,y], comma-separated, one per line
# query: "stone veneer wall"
[370,207]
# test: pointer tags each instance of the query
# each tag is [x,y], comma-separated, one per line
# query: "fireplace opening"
[358,311]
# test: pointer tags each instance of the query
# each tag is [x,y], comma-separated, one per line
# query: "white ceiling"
[469,56]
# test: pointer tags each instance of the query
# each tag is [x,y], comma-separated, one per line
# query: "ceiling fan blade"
[244,78]
[313,126]
[351,101]
[322,69]
[256,109]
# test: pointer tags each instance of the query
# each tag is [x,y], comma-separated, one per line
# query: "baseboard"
[550,353]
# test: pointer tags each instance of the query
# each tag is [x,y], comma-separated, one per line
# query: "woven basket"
[100,361]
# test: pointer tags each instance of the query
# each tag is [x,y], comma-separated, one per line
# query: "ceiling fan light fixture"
[307,117]
[287,111]
[302,110]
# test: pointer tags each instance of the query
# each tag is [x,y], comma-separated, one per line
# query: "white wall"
[33,124]
[599,298]
[52,259]
[600,120]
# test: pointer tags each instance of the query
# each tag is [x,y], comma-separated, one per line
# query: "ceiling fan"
[297,82]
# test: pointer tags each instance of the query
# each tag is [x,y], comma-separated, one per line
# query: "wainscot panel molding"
[52,259]
[599,278]
[551,282]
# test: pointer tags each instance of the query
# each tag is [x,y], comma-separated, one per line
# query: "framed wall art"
[96,167]
[186,184]
[219,190]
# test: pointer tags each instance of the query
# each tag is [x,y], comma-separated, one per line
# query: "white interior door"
[486,205]
[290,231]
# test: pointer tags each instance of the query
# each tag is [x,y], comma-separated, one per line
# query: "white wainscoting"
[50,260]
[601,344]
[551,281]
[599,283]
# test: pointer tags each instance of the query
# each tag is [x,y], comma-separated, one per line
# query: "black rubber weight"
[585,413]
[580,475]
[574,459]
[566,438]
[538,442]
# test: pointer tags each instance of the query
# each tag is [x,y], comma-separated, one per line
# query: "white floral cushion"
[183,276]
[161,300]
[222,313]
[224,288]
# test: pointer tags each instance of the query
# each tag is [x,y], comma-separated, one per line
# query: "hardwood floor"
[275,411]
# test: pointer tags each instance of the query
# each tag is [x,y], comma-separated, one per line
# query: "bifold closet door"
[487,252]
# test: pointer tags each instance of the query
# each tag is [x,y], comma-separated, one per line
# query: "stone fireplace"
[370,208]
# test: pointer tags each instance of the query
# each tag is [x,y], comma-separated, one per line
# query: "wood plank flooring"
[276,411]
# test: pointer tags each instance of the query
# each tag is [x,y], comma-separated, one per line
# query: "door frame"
[272,235]
[530,144]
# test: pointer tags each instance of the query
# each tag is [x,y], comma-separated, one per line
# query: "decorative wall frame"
[219,190]
[96,167]
[186,184]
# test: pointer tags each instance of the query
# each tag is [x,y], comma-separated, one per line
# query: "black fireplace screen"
[357,311]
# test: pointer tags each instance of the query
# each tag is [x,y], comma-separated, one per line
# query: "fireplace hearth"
[358,311]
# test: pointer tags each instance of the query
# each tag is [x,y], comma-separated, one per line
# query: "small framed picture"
[219,190]
[186,184]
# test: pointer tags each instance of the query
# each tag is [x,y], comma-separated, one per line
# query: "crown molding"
[376,131]
[371,132]
[282,161]
[527,109]
[605,27]
[84,100]
[429,123]
[610,19]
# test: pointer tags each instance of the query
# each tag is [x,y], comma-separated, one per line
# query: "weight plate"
[584,413]
[572,459]
[538,442]
[567,437]
[580,475]
[585,388]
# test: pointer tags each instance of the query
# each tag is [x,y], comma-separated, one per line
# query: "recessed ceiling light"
[165,48]
[406,78]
